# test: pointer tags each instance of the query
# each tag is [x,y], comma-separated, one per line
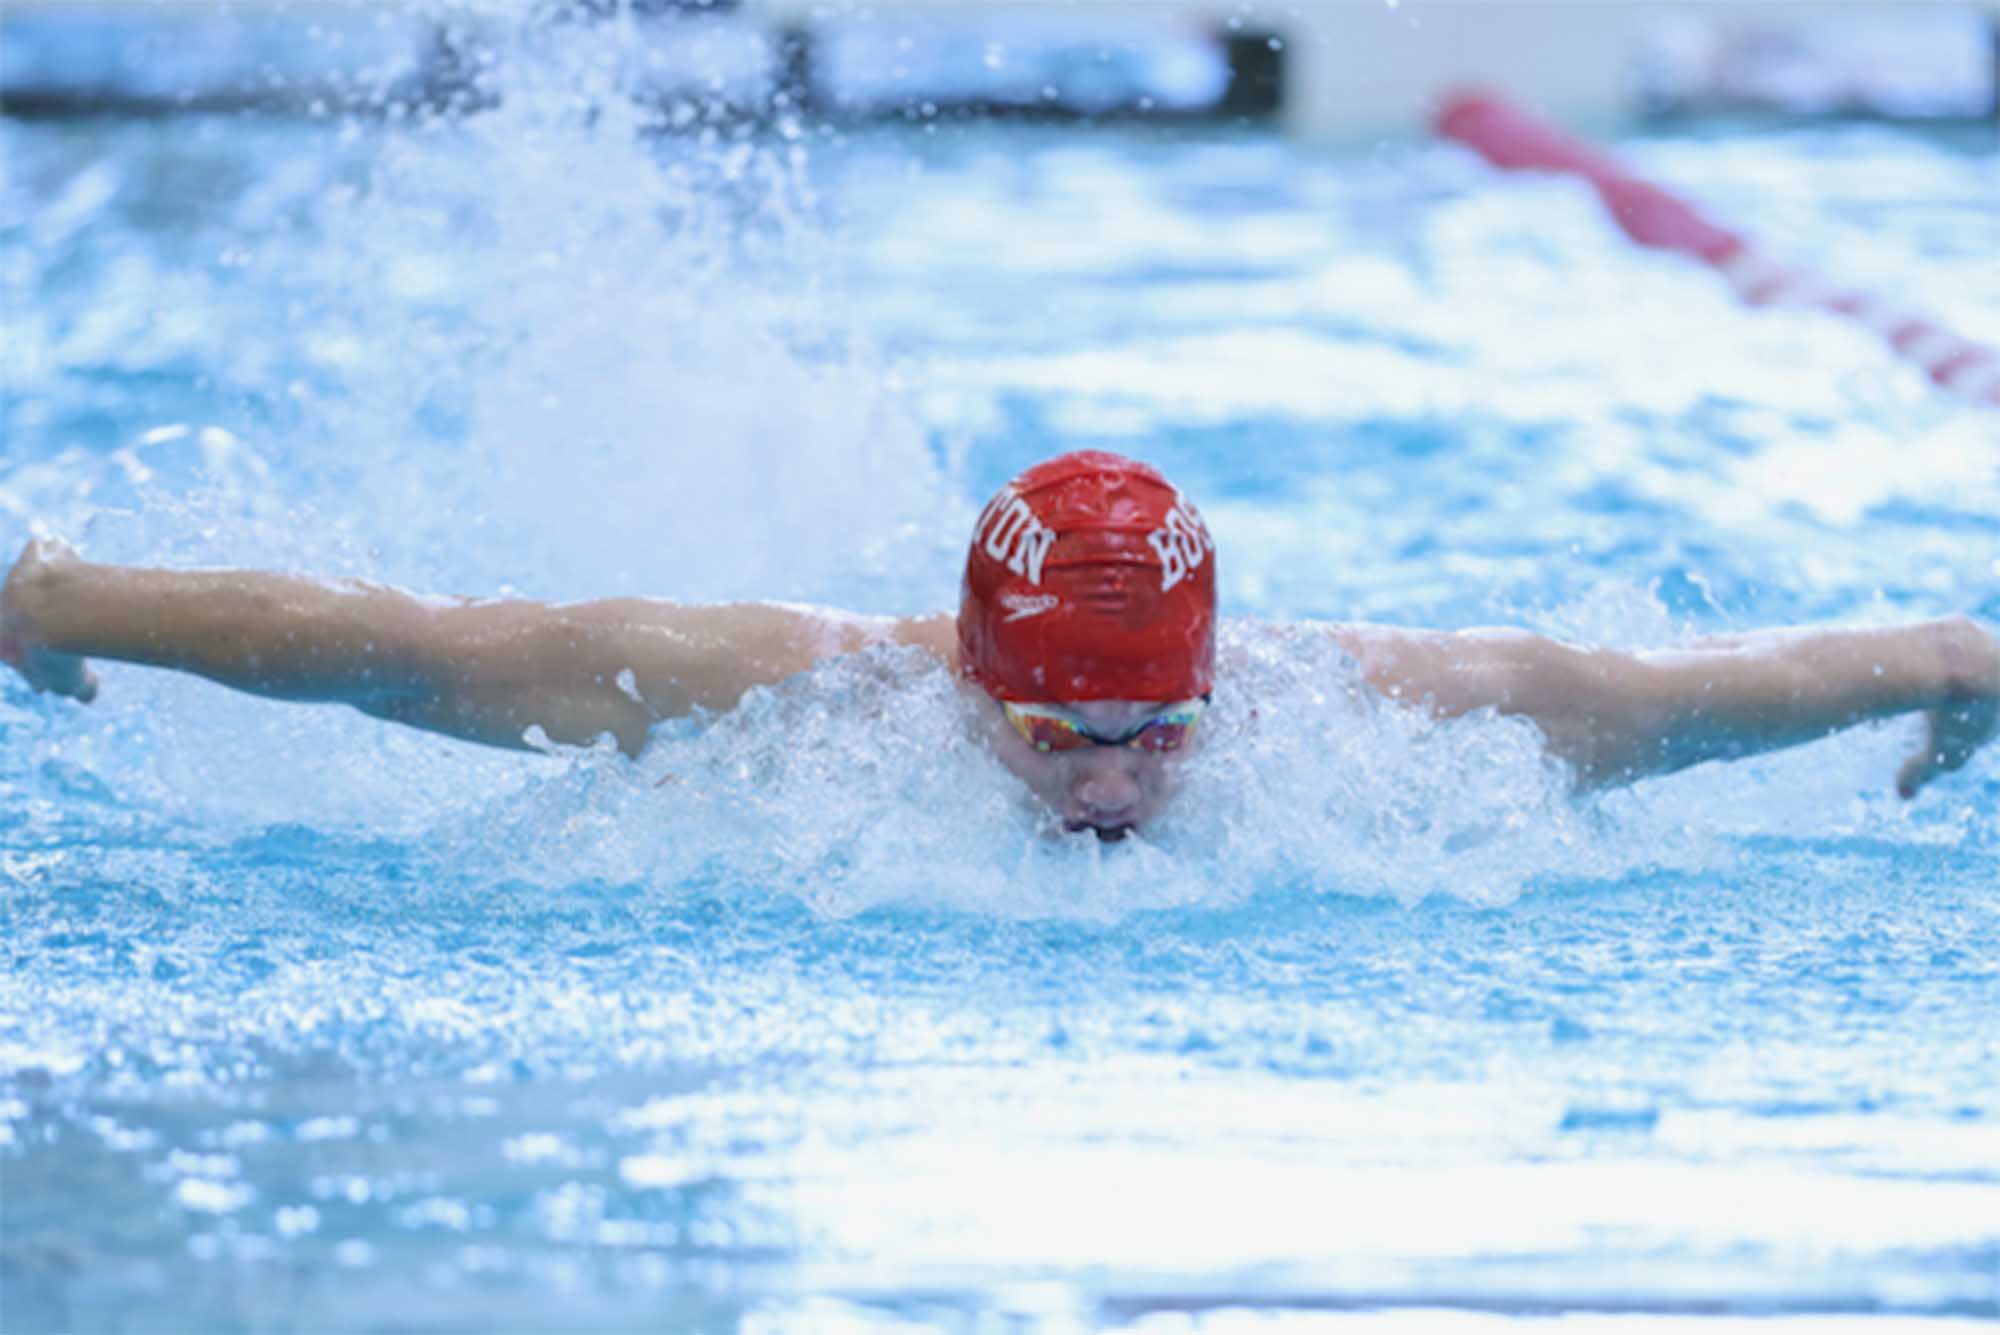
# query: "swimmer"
[1086,631]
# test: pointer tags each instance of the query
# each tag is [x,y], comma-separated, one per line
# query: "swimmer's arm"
[1616,716]
[480,671]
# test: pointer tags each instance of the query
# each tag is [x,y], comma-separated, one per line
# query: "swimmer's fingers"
[1951,736]
[57,674]
[65,675]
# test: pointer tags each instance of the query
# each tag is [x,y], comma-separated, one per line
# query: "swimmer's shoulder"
[936,633]
[1397,661]
[1363,641]
[1453,672]
[835,631]
[726,646]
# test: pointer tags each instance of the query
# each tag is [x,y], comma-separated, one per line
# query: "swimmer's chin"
[1109,834]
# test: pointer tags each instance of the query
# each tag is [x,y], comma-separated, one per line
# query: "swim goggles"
[1053,728]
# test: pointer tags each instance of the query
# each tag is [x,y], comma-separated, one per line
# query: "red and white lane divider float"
[1514,140]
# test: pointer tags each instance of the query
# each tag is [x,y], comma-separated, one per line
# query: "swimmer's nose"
[1105,791]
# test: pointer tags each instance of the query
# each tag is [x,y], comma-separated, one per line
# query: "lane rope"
[1512,139]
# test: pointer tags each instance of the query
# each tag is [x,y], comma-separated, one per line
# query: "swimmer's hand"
[33,580]
[1970,716]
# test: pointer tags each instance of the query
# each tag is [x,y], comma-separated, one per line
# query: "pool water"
[806,1021]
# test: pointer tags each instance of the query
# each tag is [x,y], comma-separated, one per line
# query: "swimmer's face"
[1111,790]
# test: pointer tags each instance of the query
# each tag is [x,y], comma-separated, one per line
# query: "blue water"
[802,1022]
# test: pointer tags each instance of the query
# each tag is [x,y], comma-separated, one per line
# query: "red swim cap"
[1090,578]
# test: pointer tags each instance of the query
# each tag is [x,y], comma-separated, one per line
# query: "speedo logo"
[1182,545]
[1021,606]
[1011,535]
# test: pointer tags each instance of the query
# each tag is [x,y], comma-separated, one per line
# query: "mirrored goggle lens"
[1170,732]
[1047,732]
[1055,732]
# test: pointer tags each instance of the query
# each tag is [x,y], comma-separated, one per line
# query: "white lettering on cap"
[1182,545]
[1010,533]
